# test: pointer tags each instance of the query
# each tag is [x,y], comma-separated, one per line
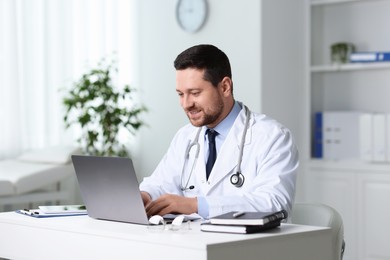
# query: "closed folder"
[379,137]
[341,135]
[366,137]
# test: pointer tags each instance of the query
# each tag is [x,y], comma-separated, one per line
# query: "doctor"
[256,159]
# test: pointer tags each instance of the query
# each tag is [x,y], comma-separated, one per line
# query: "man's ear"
[226,86]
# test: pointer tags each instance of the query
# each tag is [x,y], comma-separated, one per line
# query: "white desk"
[81,237]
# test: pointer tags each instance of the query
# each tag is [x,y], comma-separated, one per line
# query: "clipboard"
[38,213]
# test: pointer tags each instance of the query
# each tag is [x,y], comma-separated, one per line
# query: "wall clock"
[191,14]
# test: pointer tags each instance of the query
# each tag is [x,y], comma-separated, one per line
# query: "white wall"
[161,40]
[234,26]
[282,41]
[282,66]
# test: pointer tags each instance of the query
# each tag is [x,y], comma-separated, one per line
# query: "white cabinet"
[337,188]
[373,211]
[358,190]
[361,195]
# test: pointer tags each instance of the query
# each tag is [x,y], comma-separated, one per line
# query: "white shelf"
[329,2]
[350,67]
[349,165]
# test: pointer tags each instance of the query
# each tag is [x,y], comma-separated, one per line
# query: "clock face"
[191,14]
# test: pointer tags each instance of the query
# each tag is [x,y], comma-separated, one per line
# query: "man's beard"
[210,118]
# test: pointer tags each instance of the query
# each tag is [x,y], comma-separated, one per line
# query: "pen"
[238,214]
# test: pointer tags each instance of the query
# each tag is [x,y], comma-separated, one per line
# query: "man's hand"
[169,203]
[146,198]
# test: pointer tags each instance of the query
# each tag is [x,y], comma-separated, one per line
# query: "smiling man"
[227,158]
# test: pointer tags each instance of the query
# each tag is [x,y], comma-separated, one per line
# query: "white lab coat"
[269,164]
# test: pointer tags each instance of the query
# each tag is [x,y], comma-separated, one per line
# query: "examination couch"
[36,176]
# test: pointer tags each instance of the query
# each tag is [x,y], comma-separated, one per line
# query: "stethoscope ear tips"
[237,179]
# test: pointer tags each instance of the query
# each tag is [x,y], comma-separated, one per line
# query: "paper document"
[63,209]
[54,211]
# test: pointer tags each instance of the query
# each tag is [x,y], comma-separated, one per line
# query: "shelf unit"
[353,187]
[350,67]
[355,86]
[328,2]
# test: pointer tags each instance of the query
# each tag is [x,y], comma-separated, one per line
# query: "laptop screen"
[109,188]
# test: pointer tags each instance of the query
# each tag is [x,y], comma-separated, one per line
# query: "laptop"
[110,189]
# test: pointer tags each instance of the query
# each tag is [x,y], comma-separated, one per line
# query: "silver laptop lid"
[109,188]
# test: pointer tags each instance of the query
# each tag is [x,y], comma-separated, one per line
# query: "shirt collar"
[224,126]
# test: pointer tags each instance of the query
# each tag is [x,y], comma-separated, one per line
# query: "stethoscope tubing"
[237,179]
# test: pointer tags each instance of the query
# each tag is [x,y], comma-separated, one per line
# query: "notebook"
[110,189]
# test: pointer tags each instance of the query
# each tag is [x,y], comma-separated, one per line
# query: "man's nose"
[186,102]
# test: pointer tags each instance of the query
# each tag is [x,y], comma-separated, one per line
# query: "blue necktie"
[212,151]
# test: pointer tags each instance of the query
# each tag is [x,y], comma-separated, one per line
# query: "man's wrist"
[203,207]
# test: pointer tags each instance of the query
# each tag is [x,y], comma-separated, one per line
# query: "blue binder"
[317,136]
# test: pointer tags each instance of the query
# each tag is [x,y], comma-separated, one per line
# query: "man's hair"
[215,63]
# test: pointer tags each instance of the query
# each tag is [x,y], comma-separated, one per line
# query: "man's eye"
[180,94]
[195,93]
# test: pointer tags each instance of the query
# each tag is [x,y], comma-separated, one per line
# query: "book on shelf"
[239,229]
[369,57]
[248,218]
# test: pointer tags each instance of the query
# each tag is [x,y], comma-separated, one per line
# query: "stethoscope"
[237,179]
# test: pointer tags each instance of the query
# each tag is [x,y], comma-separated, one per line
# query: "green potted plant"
[102,111]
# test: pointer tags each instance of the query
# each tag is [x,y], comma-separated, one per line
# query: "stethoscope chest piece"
[237,179]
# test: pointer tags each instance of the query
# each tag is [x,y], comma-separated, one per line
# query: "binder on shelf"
[369,57]
[340,135]
[317,135]
[365,137]
[379,137]
[328,135]
[387,137]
